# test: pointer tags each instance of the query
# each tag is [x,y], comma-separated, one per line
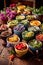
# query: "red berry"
[11,57]
[19,48]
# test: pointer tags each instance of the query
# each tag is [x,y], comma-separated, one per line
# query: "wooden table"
[28,59]
[18,61]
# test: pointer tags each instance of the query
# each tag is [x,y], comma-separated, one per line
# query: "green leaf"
[12,52]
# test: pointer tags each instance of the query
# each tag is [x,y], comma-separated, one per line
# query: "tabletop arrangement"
[21,27]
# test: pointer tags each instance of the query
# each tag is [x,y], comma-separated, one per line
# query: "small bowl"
[27,38]
[31,17]
[20,53]
[35,45]
[34,49]
[4,37]
[12,43]
[35,29]
[36,23]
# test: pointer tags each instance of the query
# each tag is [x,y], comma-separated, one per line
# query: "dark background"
[2,3]
[38,3]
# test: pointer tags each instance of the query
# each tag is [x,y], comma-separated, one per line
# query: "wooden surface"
[18,61]
[28,59]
